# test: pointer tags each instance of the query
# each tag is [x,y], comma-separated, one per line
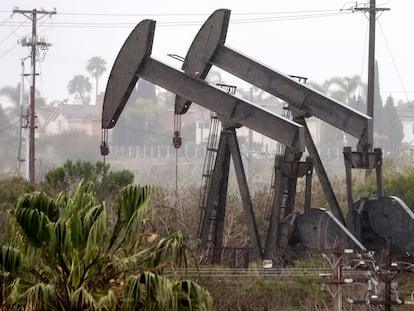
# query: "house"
[406,114]
[55,120]
[263,145]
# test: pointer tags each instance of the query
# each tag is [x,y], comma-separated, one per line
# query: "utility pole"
[372,10]
[19,149]
[34,42]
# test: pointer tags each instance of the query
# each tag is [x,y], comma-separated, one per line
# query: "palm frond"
[41,296]
[34,224]
[15,300]
[132,204]
[149,291]
[133,197]
[81,299]
[96,231]
[75,229]
[106,301]
[41,202]
[131,263]
[84,195]
[10,259]
[76,270]
[192,297]
[4,278]
[170,250]
[60,233]
[132,232]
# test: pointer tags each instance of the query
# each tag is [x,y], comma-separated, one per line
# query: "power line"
[278,18]
[393,62]
[9,50]
[12,33]
[8,126]
[180,14]
[2,22]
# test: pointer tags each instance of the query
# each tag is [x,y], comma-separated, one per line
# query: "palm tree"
[347,88]
[12,93]
[96,67]
[64,255]
[80,86]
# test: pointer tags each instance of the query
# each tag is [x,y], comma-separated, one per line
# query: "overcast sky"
[317,39]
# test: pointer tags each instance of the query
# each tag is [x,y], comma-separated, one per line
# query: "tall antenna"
[35,43]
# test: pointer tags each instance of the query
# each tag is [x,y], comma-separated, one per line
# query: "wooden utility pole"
[372,10]
[34,43]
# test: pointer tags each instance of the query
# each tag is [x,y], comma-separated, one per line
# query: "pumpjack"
[134,61]
[371,221]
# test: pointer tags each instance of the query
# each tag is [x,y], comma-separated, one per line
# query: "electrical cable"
[280,17]
[13,32]
[192,14]
[393,62]
[8,126]
[9,50]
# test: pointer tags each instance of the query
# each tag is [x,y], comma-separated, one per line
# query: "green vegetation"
[65,255]
[398,181]
[106,182]
[10,190]
[253,291]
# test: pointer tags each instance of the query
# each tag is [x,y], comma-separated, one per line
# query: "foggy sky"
[292,39]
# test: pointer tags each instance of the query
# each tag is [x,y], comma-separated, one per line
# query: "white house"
[406,114]
[68,118]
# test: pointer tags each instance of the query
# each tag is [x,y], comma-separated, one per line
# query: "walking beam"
[208,49]
[134,62]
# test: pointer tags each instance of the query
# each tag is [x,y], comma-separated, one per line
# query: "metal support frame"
[216,199]
[288,169]
[320,170]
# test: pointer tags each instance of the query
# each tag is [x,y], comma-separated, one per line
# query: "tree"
[54,150]
[346,88]
[393,129]
[80,86]
[8,140]
[107,183]
[65,256]
[348,91]
[139,122]
[13,94]
[10,190]
[96,67]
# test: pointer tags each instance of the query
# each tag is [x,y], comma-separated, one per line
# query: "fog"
[315,39]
